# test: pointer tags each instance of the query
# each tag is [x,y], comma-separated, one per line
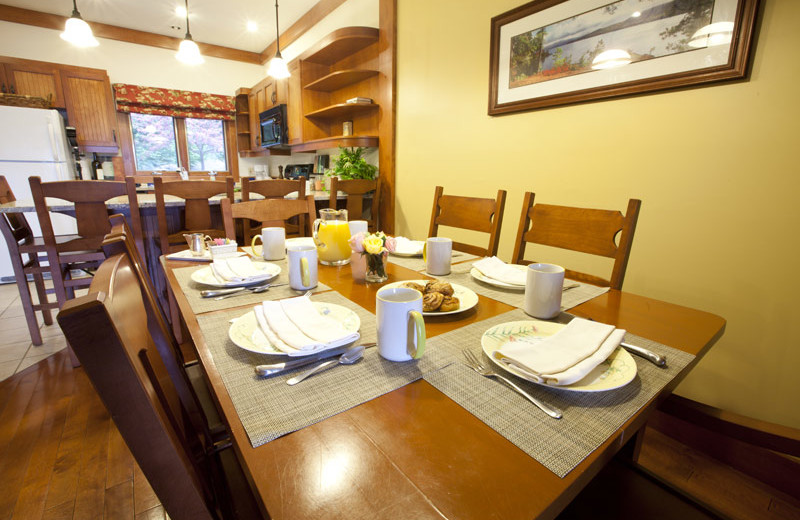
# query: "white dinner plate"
[245,332]
[417,252]
[616,371]
[466,297]
[206,277]
[497,283]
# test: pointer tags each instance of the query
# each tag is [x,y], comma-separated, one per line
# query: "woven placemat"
[269,408]
[590,418]
[415,263]
[200,305]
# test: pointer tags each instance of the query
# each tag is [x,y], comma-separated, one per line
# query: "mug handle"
[419,328]
[305,274]
[253,245]
[425,252]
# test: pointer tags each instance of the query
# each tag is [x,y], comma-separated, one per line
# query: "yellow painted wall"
[716,169]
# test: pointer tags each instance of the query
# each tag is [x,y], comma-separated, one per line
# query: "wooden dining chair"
[188,378]
[197,216]
[21,241]
[80,252]
[355,190]
[591,231]
[472,213]
[269,212]
[273,189]
[109,331]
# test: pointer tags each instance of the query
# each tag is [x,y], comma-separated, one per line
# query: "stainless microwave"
[273,127]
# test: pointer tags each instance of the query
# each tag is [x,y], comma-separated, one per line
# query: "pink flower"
[390,244]
[357,242]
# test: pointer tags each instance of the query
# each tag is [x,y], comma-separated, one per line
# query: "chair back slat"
[606,233]
[355,190]
[269,212]
[274,189]
[471,213]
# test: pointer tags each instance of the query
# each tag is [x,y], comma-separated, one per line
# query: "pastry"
[415,286]
[440,287]
[431,301]
[449,303]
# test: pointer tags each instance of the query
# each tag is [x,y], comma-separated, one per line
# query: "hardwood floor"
[61,457]
[60,454]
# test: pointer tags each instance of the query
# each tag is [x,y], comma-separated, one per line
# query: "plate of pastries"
[439,298]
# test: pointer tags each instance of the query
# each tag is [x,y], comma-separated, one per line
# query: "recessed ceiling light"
[636,14]
[180,11]
[252,26]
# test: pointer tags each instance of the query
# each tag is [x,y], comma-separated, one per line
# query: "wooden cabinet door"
[255,127]
[90,109]
[294,104]
[34,79]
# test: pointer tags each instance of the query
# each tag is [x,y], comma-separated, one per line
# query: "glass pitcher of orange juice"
[332,235]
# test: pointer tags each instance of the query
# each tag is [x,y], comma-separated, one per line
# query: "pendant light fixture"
[277,66]
[77,31]
[189,52]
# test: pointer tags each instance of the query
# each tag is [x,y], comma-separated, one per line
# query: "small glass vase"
[376,268]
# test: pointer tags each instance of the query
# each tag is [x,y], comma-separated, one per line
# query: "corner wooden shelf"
[340,44]
[339,79]
[365,141]
[342,110]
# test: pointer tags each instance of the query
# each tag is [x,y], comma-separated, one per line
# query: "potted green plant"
[351,165]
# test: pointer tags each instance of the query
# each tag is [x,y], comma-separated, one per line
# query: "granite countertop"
[146,200]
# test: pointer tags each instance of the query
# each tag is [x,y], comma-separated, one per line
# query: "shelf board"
[245,113]
[341,43]
[342,110]
[368,141]
[339,79]
[264,152]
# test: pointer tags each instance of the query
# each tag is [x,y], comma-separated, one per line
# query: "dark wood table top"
[414,453]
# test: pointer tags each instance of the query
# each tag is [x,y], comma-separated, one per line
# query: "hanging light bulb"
[188,51]
[277,66]
[77,31]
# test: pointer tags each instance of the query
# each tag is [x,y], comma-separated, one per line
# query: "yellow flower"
[373,245]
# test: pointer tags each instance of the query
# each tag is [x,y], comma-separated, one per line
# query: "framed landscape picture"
[556,52]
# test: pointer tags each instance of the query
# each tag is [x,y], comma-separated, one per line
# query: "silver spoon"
[252,290]
[348,358]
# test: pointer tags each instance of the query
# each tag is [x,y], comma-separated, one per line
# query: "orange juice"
[332,242]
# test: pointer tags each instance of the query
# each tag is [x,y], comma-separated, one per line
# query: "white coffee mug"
[401,328]
[543,287]
[273,243]
[357,226]
[436,254]
[302,267]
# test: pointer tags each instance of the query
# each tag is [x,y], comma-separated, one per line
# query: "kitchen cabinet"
[342,66]
[294,104]
[90,108]
[243,128]
[85,93]
[263,95]
[32,78]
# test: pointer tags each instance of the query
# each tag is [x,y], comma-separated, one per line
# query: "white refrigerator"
[33,142]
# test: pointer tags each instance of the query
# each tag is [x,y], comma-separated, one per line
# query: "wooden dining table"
[414,452]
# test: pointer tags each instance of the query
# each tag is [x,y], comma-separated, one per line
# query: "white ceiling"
[220,22]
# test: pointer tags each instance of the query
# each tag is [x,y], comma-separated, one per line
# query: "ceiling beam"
[314,15]
[112,32]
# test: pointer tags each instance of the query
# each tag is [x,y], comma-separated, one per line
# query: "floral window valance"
[175,103]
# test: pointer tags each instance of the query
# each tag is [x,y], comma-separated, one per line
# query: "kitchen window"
[167,143]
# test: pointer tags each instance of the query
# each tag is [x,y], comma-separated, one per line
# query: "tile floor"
[16,350]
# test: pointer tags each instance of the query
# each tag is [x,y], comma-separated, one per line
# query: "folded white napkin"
[236,269]
[498,270]
[565,357]
[404,246]
[295,327]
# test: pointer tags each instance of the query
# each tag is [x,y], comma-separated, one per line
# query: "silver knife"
[657,360]
[210,293]
[277,368]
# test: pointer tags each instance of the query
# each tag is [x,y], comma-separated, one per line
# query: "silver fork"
[475,364]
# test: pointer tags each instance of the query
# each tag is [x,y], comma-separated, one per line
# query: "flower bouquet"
[375,246]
